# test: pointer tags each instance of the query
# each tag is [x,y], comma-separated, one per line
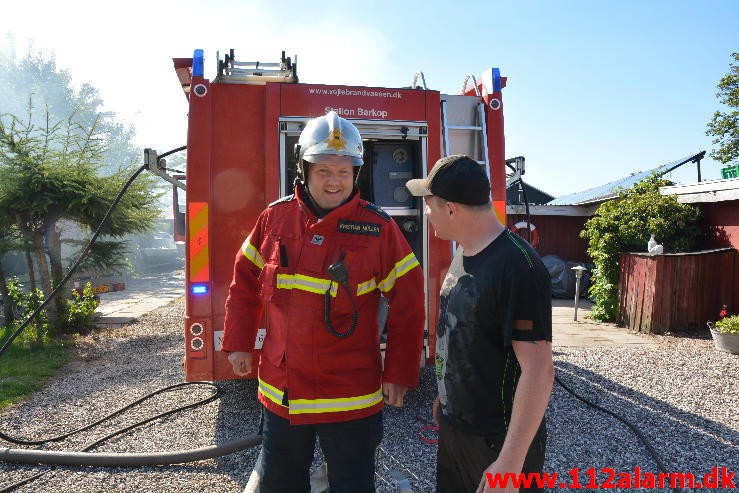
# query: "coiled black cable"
[327,315]
[340,275]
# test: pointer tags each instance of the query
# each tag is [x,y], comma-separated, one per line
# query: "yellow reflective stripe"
[409,262]
[400,269]
[305,283]
[366,287]
[318,285]
[252,254]
[308,406]
[270,392]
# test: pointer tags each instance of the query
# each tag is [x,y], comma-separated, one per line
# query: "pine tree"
[59,164]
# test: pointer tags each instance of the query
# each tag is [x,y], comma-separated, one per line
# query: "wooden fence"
[674,292]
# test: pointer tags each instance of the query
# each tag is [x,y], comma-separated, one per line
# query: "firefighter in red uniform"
[306,291]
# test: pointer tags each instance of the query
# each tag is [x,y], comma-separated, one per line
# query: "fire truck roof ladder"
[463,126]
[232,72]
[414,84]
[463,129]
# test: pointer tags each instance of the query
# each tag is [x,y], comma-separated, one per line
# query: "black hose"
[650,449]
[214,394]
[128,460]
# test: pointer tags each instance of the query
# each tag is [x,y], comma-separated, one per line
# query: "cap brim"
[418,188]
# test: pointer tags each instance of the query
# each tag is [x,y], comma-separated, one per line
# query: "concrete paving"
[586,332]
[145,293]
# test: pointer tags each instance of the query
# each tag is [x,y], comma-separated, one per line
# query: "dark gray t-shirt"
[482,295]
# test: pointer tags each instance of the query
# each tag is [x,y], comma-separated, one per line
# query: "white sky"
[595,90]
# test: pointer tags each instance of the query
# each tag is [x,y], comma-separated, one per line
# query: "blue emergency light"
[199,288]
[198,61]
[497,82]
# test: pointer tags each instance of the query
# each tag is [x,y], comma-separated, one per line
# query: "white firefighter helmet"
[330,135]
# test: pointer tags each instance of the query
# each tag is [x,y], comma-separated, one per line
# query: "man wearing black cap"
[493,352]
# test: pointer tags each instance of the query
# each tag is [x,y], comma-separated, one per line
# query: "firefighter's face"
[331,181]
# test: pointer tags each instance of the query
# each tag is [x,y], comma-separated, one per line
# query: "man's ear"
[451,208]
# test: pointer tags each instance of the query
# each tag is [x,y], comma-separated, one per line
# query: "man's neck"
[480,234]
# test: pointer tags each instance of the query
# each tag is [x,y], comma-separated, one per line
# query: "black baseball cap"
[455,178]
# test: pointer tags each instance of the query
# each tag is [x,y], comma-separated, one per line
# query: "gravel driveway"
[681,393]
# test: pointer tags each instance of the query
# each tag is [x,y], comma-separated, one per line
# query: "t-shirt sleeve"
[530,299]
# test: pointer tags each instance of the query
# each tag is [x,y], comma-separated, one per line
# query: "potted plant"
[725,332]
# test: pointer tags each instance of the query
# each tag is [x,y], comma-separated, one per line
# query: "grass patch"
[24,369]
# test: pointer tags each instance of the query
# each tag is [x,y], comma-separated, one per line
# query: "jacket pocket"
[273,350]
[268,282]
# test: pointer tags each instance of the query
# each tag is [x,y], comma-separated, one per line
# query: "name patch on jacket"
[359,228]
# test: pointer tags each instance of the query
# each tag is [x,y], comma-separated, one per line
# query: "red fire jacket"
[306,374]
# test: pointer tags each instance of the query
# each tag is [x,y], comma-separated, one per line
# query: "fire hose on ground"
[65,458]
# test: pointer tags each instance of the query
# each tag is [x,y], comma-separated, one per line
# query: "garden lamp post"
[578,275]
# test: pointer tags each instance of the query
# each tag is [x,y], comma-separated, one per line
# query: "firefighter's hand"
[436,411]
[393,393]
[241,363]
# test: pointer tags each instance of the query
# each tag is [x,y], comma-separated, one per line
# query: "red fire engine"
[242,129]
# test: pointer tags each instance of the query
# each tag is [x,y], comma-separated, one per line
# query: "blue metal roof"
[611,190]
